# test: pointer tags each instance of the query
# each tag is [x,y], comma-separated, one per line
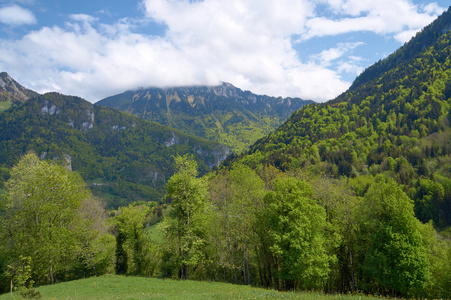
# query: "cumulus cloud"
[247,43]
[327,56]
[399,17]
[15,15]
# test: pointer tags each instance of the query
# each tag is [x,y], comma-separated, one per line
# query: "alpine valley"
[348,196]
[126,158]
[123,158]
[223,114]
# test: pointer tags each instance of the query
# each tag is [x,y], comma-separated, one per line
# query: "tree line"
[263,227]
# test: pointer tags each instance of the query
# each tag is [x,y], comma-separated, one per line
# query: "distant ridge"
[12,91]
[224,113]
[122,157]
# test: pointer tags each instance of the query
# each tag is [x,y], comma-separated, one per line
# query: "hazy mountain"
[123,157]
[224,114]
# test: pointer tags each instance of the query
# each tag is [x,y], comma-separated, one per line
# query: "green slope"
[396,123]
[223,114]
[5,105]
[123,157]
[121,287]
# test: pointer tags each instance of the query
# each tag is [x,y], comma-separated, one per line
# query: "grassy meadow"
[155,233]
[122,287]
[5,105]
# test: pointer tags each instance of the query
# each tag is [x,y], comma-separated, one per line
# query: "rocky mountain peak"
[11,90]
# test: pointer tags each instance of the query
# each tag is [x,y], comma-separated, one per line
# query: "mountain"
[223,114]
[394,120]
[123,157]
[12,91]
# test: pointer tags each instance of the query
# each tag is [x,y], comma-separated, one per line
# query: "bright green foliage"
[184,227]
[20,272]
[51,219]
[341,203]
[236,196]
[136,254]
[394,120]
[292,225]
[438,248]
[393,257]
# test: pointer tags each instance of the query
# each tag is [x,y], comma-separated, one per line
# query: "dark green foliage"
[223,114]
[124,157]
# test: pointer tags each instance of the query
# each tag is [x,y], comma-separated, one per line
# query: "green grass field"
[5,105]
[121,287]
[155,233]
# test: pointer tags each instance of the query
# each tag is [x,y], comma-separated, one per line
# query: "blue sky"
[311,49]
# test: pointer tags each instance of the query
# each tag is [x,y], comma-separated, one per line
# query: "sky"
[312,49]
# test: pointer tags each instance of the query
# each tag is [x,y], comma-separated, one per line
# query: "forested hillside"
[349,196]
[123,157]
[223,114]
[396,123]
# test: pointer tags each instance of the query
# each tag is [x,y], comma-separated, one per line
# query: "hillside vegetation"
[124,157]
[396,124]
[349,196]
[223,114]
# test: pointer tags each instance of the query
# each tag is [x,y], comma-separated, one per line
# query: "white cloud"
[432,9]
[247,43]
[327,56]
[382,17]
[83,18]
[15,15]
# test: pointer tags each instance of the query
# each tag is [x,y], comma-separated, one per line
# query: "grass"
[121,287]
[155,233]
[5,105]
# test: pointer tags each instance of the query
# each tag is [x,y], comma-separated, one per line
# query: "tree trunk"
[229,243]
[351,261]
[52,280]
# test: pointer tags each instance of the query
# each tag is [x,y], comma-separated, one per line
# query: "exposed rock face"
[49,108]
[11,90]
[79,116]
[224,114]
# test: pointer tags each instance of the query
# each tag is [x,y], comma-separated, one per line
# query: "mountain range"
[126,158]
[223,114]
[122,157]
[394,120]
